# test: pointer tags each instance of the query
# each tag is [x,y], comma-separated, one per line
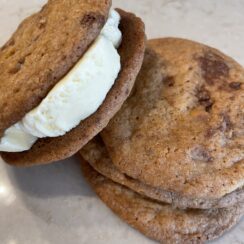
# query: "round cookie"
[182,129]
[131,52]
[162,222]
[96,155]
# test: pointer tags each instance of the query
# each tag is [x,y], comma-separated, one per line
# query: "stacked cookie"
[171,162]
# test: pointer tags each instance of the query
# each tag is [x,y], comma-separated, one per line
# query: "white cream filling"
[77,96]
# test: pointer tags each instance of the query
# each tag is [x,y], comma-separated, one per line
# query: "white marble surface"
[53,204]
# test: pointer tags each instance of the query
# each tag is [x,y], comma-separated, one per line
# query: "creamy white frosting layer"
[77,96]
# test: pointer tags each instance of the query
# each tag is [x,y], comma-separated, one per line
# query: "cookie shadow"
[63,178]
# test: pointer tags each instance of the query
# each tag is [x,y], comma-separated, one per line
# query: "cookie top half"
[43,49]
[182,129]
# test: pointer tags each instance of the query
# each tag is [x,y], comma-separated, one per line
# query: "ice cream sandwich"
[65,72]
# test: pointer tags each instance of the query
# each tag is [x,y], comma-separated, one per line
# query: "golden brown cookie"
[182,129]
[162,222]
[52,149]
[95,153]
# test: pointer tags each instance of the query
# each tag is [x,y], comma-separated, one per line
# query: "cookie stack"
[170,163]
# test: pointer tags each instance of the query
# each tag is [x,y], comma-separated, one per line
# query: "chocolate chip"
[87,19]
[225,126]
[203,94]
[169,81]
[213,68]
[204,98]
[90,18]
[208,106]
[235,85]
[200,153]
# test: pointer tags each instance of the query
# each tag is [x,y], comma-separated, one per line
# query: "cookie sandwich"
[65,72]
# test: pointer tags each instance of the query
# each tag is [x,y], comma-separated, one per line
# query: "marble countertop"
[53,204]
